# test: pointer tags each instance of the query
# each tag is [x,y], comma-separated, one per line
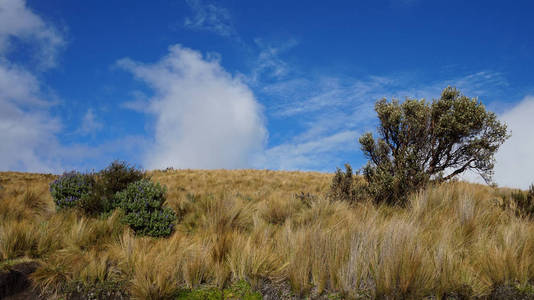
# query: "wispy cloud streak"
[210,17]
[325,107]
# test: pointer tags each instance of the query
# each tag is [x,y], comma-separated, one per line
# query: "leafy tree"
[421,142]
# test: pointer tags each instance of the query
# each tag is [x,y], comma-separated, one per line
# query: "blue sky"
[248,84]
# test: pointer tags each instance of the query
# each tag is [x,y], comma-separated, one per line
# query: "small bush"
[142,203]
[347,187]
[99,197]
[94,203]
[524,202]
[108,182]
[306,198]
[120,185]
[115,178]
[69,188]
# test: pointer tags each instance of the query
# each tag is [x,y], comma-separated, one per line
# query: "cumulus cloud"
[209,17]
[27,130]
[204,116]
[515,159]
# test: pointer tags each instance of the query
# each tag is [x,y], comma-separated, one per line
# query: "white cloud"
[19,86]
[27,130]
[90,123]
[515,159]
[19,22]
[204,117]
[311,154]
[209,17]
[27,134]
[139,102]
[269,63]
[327,94]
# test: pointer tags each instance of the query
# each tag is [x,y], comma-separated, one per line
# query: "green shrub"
[69,188]
[120,185]
[346,186]
[108,182]
[142,203]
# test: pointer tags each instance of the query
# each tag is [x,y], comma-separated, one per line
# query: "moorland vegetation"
[404,229]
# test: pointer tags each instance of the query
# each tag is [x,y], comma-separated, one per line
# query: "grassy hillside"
[278,233]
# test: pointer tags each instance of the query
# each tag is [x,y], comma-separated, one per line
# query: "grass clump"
[17,239]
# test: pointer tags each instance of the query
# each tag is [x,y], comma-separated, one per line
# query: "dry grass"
[250,225]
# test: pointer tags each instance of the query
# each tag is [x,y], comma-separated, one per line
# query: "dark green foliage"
[108,182]
[421,142]
[94,202]
[69,188]
[117,186]
[115,178]
[142,203]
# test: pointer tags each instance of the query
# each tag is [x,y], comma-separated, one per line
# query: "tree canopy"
[420,141]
